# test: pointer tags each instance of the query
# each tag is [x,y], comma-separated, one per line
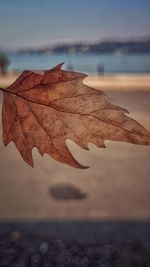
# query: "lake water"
[91,63]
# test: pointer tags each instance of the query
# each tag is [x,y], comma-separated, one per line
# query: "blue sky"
[34,23]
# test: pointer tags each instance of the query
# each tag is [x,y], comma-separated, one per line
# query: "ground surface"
[19,250]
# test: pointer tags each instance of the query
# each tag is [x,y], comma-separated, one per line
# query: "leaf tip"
[6,141]
[31,164]
[81,167]
[85,167]
[58,66]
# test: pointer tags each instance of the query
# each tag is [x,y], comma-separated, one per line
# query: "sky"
[36,23]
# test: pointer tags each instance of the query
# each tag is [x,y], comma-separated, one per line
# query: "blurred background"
[110,41]
[93,37]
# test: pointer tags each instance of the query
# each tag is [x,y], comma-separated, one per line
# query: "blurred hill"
[114,46]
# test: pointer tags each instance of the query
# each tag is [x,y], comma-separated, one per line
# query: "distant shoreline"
[106,46]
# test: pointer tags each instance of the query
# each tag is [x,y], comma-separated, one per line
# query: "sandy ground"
[117,183]
[107,82]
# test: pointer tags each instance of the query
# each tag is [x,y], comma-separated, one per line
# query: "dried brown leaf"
[43,111]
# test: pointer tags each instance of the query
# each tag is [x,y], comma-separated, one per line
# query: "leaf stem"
[2,89]
[7,91]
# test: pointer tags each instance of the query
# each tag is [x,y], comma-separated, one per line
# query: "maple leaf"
[44,110]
